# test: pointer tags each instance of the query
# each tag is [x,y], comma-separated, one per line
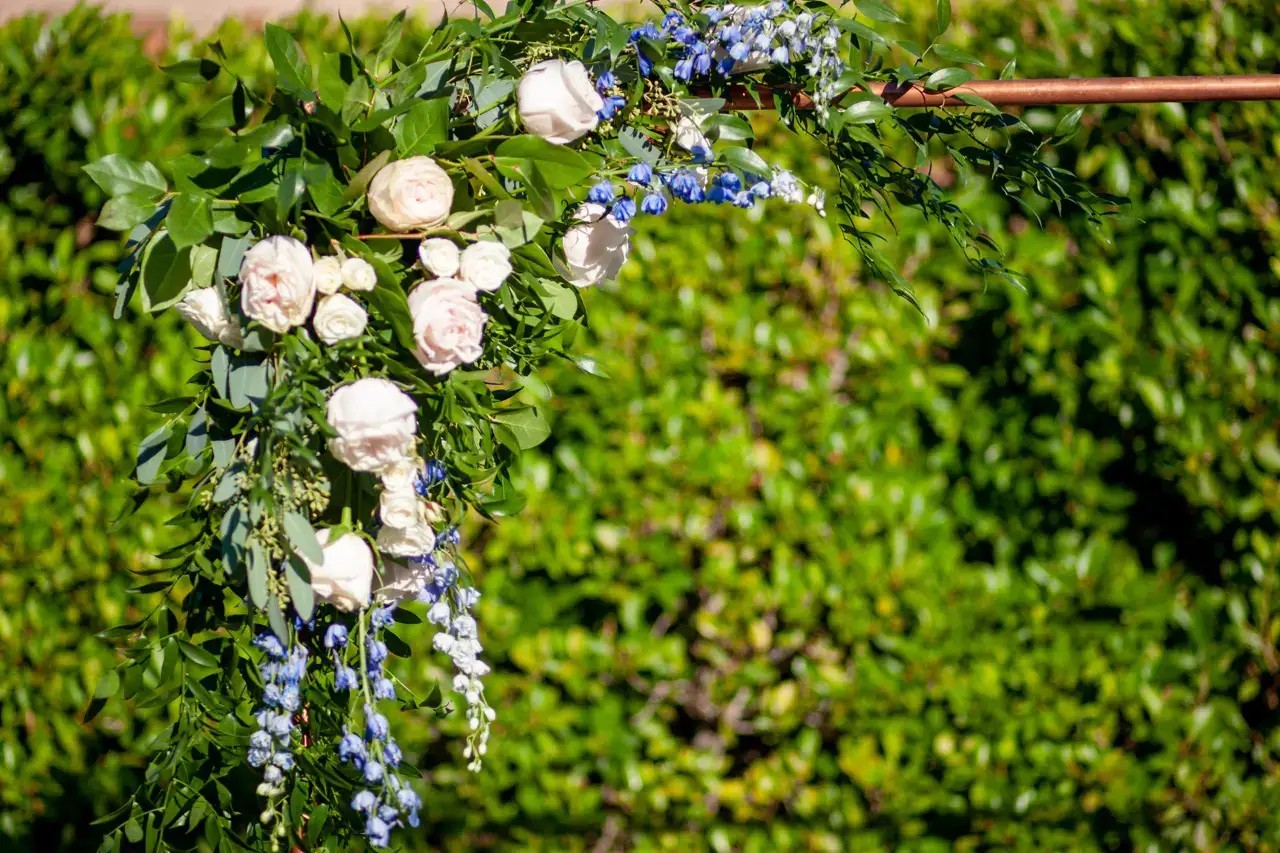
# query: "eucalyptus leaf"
[303,536]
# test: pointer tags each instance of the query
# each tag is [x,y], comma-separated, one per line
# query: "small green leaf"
[300,591]
[877,11]
[118,175]
[275,618]
[361,181]
[165,271]
[561,167]
[947,78]
[197,655]
[868,111]
[746,160]
[303,536]
[391,38]
[192,70]
[125,212]
[293,74]
[943,18]
[190,219]
[423,127]
[151,455]
[955,54]
[1069,125]
[526,425]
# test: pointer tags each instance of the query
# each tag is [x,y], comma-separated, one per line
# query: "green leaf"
[746,160]
[861,30]
[943,18]
[303,536]
[391,39]
[197,655]
[125,212]
[118,175]
[947,78]
[190,219]
[423,127]
[293,74]
[877,11]
[258,566]
[192,70]
[526,425]
[248,382]
[639,146]
[1069,125]
[389,300]
[955,54]
[561,167]
[868,111]
[151,455]
[300,591]
[275,618]
[165,271]
[361,181]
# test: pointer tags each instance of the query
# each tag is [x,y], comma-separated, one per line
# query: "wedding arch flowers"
[377,253]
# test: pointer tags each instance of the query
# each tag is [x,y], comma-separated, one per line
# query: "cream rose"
[594,250]
[339,318]
[440,256]
[403,580]
[375,422]
[400,508]
[277,280]
[358,274]
[485,265]
[205,308]
[328,274]
[557,101]
[345,578]
[448,324]
[410,194]
[415,541]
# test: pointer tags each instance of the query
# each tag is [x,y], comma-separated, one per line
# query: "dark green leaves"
[423,127]
[525,426]
[190,219]
[947,78]
[560,167]
[302,536]
[151,455]
[118,176]
[877,11]
[166,272]
[192,70]
[293,73]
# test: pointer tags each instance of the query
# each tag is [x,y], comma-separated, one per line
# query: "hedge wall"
[804,572]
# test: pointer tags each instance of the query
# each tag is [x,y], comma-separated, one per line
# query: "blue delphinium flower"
[381,617]
[654,204]
[346,678]
[377,652]
[702,154]
[270,644]
[364,801]
[670,20]
[372,772]
[780,55]
[384,689]
[391,754]
[646,31]
[730,181]
[601,193]
[351,748]
[744,198]
[610,106]
[335,637]
[701,58]
[685,186]
[259,748]
[409,801]
[624,209]
[684,69]
[760,189]
[605,81]
[376,727]
[640,174]
[378,831]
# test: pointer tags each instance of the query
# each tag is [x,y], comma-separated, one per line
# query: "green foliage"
[803,572]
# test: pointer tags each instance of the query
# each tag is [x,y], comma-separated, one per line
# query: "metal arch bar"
[1071,90]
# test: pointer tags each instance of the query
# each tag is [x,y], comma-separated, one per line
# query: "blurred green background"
[806,572]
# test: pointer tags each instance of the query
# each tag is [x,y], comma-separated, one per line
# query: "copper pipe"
[1026,93]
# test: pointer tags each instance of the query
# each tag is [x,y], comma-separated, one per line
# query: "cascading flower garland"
[377,253]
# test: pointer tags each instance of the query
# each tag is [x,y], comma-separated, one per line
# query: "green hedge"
[804,572]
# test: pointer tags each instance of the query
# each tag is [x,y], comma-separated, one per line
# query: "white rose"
[328,274]
[205,308]
[595,250]
[440,256]
[403,580]
[277,280]
[448,324]
[345,578]
[414,541]
[358,274]
[402,474]
[339,318]
[485,265]
[410,194]
[400,508]
[375,422]
[557,101]
[689,136]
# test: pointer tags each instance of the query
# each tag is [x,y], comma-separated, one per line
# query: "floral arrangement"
[378,252]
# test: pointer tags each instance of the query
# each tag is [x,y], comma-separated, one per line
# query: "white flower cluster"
[458,638]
